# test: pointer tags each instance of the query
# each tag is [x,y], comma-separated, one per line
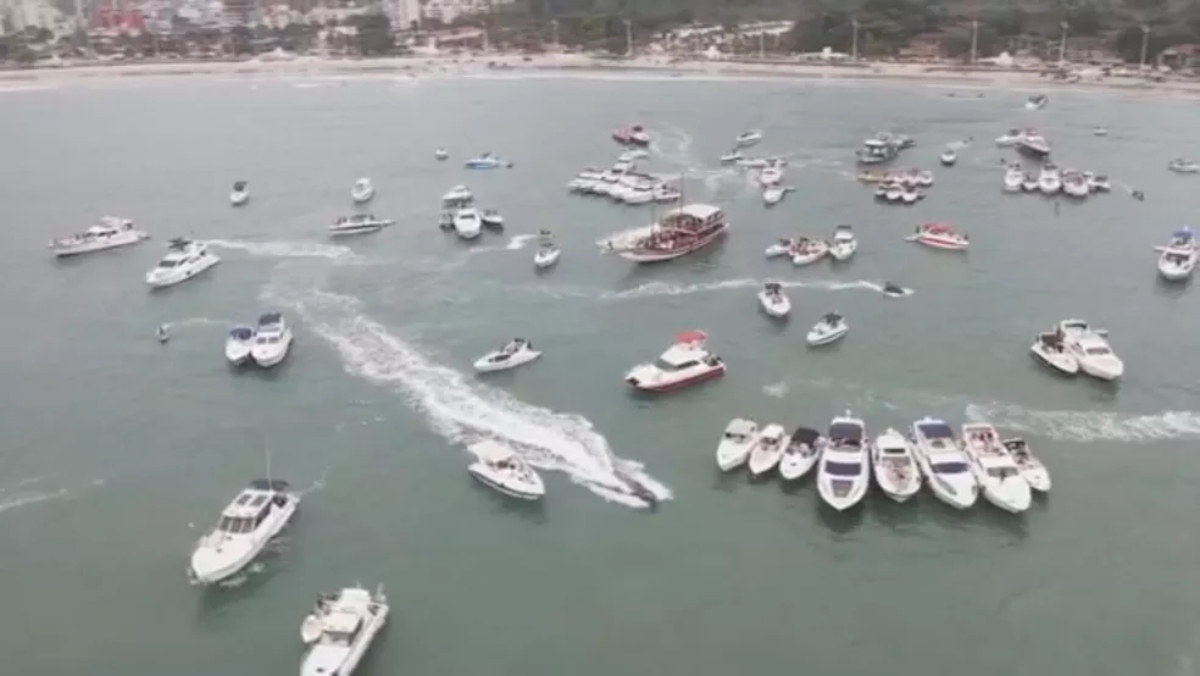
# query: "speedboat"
[110,232]
[1177,260]
[831,328]
[457,196]
[1013,178]
[185,259]
[1075,185]
[877,151]
[1099,183]
[683,364]
[340,629]
[809,251]
[892,290]
[1030,182]
[681,231]
[491,218]
[732,157]
[1048,348]
[894,192]
[881,191]
[358,224]
[1009,138]
[784,246]
[487,161]
[943,462]
[923,178]
[547,253]
[272,340]
[1182,166]
[1049,181]
[748,138]
[1032,144]
[736,443]
[362,191]
[1036,102]
[502,468]
[1090,346]
[948,158]
[515,352]
[911,195]
[940,236]
[768,450]
[238,345]
[632,135]
[994,468]
[254,517]
[240,194]
[161,334]
[774,194]
[844,474]
[844,244]
[1032,469]
[802,452]
[441,154]
[895,466]
[770,176]
[467,223]
[774,301]
[1100,131]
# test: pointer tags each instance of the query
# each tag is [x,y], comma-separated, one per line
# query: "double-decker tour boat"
[680,232]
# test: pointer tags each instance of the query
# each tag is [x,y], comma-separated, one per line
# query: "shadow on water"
[795,487]
[842,523]
[894,515]
[726,481]
[1169,289]
[533,511]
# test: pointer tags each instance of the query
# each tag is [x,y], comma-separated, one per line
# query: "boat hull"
[163,281]
[1062,363]
[95,246]
[659,387]
[652,256]
[237,353]
[530,494]
[355,230]
[853,497]
[777,309]
[545,258]
[237,199]
[485,365]
[817,339]
[227,568]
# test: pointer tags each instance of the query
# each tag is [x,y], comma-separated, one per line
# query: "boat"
[1090,346]
[895,466]
[774,194]
[877,151]
[940,236]
[1032,469]
[547,253]
[894,192]
[809,251]
[770,176]
[881,191]
[467,223]
[844,243]
[1182,166]
[680,231]
[247,524]
[487,161]
[185,259]
[458,196]
[1036,102]
[874,176]
[238,345]
[631,155]
[923,178]
[1013,178]
[736,443]
[768,450]
[340,629]
[748,138]
[773,300]
[948,158]
[1075,185]
[994,469]
[944,464]
[161,333]
[1100,131]
[272,340]
[1033,144]
[1049,180]
[844,473]
[732,157]
[1048,348]
[490,218]
[1177,260]
[515,352]
[632,135]
[911,195]
[502,468]
[892,290]
[109,232]
[1030,183]
[802,452]
[685,363]
[240,194]
[831,328]
[441,154]
[666,194]
[362,191]
[1009,138]
[1099,183]
[358,224]
[785,246]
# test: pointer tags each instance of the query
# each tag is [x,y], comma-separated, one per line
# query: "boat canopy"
[740,426]
[846,432]
[239,185]
[695,337]
[1184,233]
[937,228]
[831,318]
[241,333]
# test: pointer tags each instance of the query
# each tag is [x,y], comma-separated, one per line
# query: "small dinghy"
[441,154]
[1048,348]
[948,158]
[785,246]
[774,194]
[547,253]
[362,191]
[736,443]
[161,333]
[239,344]
[501,468]
[803,451]
[773,301]
[844,243]
[768,450]
[809,252]
[1032,470]
[516,352]
[939,236]
[895,466]
[894,290]
[831,328]
[240,194]
[490,218]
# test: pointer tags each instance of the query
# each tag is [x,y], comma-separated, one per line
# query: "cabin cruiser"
[844,473]
[877,151]
[1032,469]
[770,176]
[774,301]
[254,517]
[1048,348]
[185,259]
[515,352]
[1090,347]
[940,236]
[737,442]
[238,345]
[358,224]
[1009,138]
[487,161]
[458,196]
[547,253]
[441,154]
[680,231]
[340,629]
[1075,185]
[240,194]
[685,363]
[774,194]
[943,462]
[467,223]
[732,157]
[272,340]
[490,218]
[895,466]
[948,157]
[1032,144]
[994,469]
[809,251]
[1177,261]
[1050,180]
[768,450]
[502,468]
[110,232]
[1036,102]
[362,191]
[1098,182]
[844,244]
[1030,184]
[748,138]
[1182,166]
[802,452]
[1013,178]
[831,328]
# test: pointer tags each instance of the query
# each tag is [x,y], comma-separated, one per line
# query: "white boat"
[940,236]
[487,161]
[358,224]
[893,290]
[340,630]
[844,243]
[803,451]
[809,251]
[238,345]
[502,468]
[994,469]
[240,194]
[1075,185]
[894,192]
[1030,183]
[774,301]
[1036,102]
[844,473]
[911,195]
[831,328]
[895,466]
[362,191]
[110,232]
[1013,178]
[923,178]
[774,194]
[948,158]
[1009,138]
[944,464]
[1177,260]
[748,138]
[1032,469]
[877,151]
[1182,166]
[272,340]
[1090,346]
[664,194]
[1100,131]
[1033,144]
[681,231]
[515,352]
[1048,348]
[457,196]
[441,154]
[1049,180]
[732,157]
[770,176]
[683,364]
[1099,182]
[254,517]
[467,223]
[631,155]
[491,218]
[737,442]
[768,450]
[185,259]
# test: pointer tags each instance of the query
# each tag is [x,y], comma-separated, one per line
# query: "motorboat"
[895,466]
[685,363]
[1037,102]
[844,243]
[362,191]
[272,340]
[809,251]
[681,231]
[877,151]
[1013,178]
[770,176]
[940,236]
[1033,144]
[109,232]
[911,195]
[774,194]
[665,194]
[948,158]
[732,157]
[1100,131]
[1182,166]
[502,468]
[238,345]
[441,154]
[185,259]
[633,135]
[1049,180]
[458,196]
[944,463]
[894,192]
[774,301]
[994,469]
[768,450]
[748,138]
[831,328]
[240,194]
[737,442]
[490,218]
[1048,348]
[1075,185]
[923,178]
[892,290]
[487,161]
[785,246]
[803,451]
[1090,346]
[1177,260]
[547,253]
[1030,183]
[844,473]
[467,223]
[247,524]
[1099,183]
[340,629]
[881,191]
[631,155]
[358,224]
[514,353]
[1032,469]
[1009,138]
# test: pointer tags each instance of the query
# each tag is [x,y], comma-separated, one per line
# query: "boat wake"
[194,321]
[1089,425]
[515,243]
[778,390]
[286,249]
[655,289]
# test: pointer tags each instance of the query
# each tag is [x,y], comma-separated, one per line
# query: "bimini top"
[1185,233]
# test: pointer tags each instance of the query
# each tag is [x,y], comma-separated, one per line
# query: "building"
[447,11]
[239,12]
[924,47]
[22,14]
[403,13]
[1180,56]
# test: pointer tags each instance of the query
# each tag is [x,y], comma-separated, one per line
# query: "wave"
[515,243]
[194,321]
[654,289]
[299,249]
[22,499]
[1089,425]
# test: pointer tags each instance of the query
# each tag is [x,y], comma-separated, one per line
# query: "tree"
[374,33]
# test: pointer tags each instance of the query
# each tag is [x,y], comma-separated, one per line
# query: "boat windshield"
[1002,472]
[950,467]
[845,432]
[664,365]
[1098,351]
[236,525]
[843,468]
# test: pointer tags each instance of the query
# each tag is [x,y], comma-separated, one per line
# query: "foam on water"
[25,498]
[778,390]
[194,321]
[654,289]
[299,249]
[1089,425]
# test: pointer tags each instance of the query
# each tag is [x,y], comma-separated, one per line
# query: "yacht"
[358,224]
[110,232]
[736,443]
[340,629]
[895,466]
[1013,178]
[1177,260]
[272,340]
[943,462]
[467,223]
[1032,469]
[185,259]
[240,194]
[1049,181]
[514,353]
[458,196]
[254,517]
[1090,346]
[239,344]
[803,451]
[844,244]
[768,450]
[685,363]
[844,473]
[997,474]
[1032,144]
[503,469]
[362,191]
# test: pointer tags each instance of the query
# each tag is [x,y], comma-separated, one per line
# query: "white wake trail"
[1089,425]
[299,249]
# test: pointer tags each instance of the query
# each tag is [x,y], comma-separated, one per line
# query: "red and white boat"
[632,136]
[940,236]
[680,232]
[684,364]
